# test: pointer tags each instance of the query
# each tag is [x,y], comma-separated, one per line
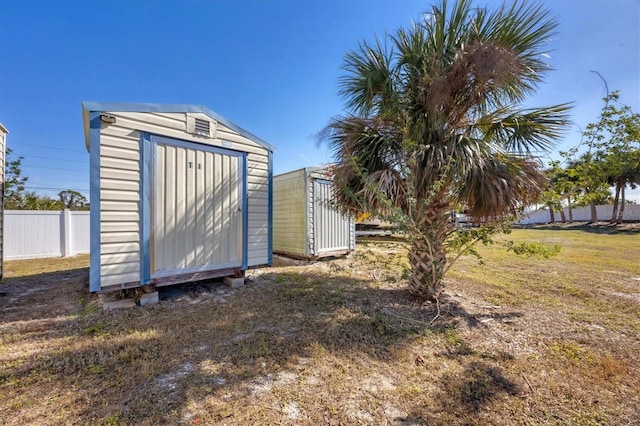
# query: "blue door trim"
[146,179]
[94,200]
[157,139]
[245,213]
[270,211]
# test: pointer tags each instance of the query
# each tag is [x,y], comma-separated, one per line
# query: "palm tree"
[434,122]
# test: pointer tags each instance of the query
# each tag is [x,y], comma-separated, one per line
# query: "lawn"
[515,340]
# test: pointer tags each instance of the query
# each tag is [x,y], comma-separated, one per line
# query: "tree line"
[610,158]
[16,197]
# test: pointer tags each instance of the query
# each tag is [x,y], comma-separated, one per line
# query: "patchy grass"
[519,340]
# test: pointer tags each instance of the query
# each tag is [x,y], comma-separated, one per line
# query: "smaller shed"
[305,223]
[3,146]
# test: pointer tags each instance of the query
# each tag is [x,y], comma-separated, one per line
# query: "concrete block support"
[234,282]
[149,299]
[119,304]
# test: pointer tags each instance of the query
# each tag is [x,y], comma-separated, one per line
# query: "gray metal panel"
[197,219]
[332,230]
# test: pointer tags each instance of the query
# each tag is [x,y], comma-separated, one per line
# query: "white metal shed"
[3,146]
[178,194]
[305,222]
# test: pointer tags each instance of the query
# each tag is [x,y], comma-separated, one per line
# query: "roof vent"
[203,127]
[200,126]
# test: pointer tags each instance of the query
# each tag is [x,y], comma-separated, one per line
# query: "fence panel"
[80,233]
[31,234]
[583,214]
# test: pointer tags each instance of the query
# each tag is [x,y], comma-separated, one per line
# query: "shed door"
[196,211]
[331,229]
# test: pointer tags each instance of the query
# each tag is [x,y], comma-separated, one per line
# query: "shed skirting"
[333,253]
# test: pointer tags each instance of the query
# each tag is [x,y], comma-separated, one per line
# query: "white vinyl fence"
[582,214]
[31,234]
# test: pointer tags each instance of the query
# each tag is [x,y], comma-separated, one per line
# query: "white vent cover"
[201,126]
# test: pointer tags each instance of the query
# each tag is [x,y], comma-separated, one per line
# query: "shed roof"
[88,107]
[310,169]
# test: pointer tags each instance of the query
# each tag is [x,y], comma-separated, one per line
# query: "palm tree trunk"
[563,217]
[570,209]
[428,255]
[552,216]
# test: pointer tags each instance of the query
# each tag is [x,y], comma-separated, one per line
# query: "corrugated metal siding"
[310,200]
[120,214]
[197,216]
[290,214]
[332,230]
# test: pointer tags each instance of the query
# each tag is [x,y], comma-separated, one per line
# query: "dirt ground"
[340,341]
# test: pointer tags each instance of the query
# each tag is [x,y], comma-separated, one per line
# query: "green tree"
[73,200]
[33,201]
[616,140]
[564,189]
[14,182]
[591,184]
[435,121]
[551,197]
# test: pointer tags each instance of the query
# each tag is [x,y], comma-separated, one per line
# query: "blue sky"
[270,66]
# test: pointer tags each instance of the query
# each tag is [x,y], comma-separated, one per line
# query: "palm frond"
[366,151]
[503,184]
[524,28]
[436,110]
[386,186]
[525,131]
[368,85]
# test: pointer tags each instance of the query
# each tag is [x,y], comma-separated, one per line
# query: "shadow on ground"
[603,228]
[210,345]
[45,295]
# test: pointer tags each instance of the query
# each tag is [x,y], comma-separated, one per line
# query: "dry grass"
[519,341]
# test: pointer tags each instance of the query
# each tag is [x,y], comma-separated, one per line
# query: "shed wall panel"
[114,258]
[109,278]
[119,184]
[290,214]
[133,247]
[118,164]
[119,204]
